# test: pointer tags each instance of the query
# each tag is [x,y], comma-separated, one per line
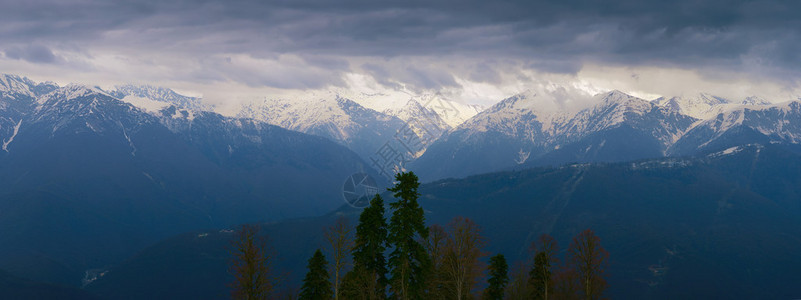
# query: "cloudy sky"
[470,51]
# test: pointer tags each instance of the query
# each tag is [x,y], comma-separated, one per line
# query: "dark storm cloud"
[553,36]
[32,53]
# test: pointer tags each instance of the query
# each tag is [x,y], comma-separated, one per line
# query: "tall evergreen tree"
[408,260]
[368,278]
[316,285]
[499,278]
[542,273]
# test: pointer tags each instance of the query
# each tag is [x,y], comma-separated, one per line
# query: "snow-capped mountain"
[538,128]
[696,106]
[506,134]
[535,128]
[450,112]
[616,108]
[704,106]
[365,123]
[424,121]
[155,98]
[123,177]
[741,125]
[18,96]
[331,116]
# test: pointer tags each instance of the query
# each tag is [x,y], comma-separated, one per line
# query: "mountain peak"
[616,96]
[698,106]
[626,102]
[16,85]
[71,91]
[755,100]
[139,95]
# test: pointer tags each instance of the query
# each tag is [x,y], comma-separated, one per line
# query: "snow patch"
[146,104]
[11,139]
[728,151]
[522,156]
[133,148]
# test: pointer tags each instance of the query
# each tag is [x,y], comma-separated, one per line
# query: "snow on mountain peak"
[144,96]
[69,92]
[628,102]
[13,84]
[778,121]
[146,104]
[755,100]
[301,114]
[451,112]
[699,106]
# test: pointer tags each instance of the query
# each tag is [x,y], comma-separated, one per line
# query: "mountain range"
[521,132]
[91,180]
[87,178]
[534,128]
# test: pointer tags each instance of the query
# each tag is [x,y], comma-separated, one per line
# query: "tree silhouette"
[368,279]
[316,284]
[588,259]
[341,242]
[566,284]
[540,277]
[541,274]
[518,287]
[435,246]
[499,278]
[408,260]
[463,251]
[250,265]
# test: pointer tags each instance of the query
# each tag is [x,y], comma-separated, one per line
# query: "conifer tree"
[316,285]
[368,278]
[499,278]
[541,274]
[408,260]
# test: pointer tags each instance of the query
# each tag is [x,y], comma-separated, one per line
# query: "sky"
[475,52]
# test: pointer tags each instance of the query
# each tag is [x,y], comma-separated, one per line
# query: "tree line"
[432,262]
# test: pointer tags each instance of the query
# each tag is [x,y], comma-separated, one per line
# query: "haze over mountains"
[537,127]
[128,167]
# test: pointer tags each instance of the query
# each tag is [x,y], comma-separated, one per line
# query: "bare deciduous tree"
[340,239]
[250,265]
[463,250]
[566,284]
[588,259]
[518,287]
[435,246]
